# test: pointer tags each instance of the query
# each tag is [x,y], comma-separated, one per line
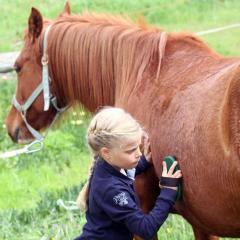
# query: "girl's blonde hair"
[109,128]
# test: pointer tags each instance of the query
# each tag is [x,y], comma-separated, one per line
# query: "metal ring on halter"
[44,59]
[31,145]
[26,149]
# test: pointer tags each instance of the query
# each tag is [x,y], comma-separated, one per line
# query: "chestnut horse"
[184,94]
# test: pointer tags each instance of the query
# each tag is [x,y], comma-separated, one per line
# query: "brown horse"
[187,98]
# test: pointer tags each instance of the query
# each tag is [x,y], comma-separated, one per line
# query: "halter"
[48,98]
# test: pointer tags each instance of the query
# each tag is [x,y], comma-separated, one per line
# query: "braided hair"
[109,128]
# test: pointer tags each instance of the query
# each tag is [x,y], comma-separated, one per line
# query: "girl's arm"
[143,165]
[121,207]
[119,202]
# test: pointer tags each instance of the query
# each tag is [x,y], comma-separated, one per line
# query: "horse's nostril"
[16,134]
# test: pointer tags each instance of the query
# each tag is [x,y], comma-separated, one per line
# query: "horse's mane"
[96,54]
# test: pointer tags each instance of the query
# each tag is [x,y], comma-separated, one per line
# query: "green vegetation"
[176,15]
[30,185]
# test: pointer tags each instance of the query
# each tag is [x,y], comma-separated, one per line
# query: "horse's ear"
[141,22]
[66,10]
[35,24]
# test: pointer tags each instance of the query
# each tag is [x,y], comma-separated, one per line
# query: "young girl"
[111,204]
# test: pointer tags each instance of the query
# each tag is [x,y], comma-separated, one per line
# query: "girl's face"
[126,156]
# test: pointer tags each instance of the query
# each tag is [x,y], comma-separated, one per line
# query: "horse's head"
[29,110]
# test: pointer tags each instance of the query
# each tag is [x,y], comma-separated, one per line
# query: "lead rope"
[35,146]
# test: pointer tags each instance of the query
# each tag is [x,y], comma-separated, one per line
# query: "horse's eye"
[17,68]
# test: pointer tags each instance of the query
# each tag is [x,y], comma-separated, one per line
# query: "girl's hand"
[170,174]
[145,147]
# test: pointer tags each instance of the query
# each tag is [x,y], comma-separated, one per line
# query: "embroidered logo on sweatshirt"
[121,199]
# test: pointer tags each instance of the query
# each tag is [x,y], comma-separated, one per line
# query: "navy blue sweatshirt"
[113,207]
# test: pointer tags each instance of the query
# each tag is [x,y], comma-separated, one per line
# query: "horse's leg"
[147,188]
[200,235]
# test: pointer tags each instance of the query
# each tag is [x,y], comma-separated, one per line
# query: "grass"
[30,185]
[46,221]
[20,188]
[177,15]
[29,180]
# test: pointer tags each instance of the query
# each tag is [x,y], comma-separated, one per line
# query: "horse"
[185,95]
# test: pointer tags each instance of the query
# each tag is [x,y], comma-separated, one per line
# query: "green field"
[31,185]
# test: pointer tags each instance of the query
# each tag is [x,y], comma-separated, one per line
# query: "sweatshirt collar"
[102,164]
